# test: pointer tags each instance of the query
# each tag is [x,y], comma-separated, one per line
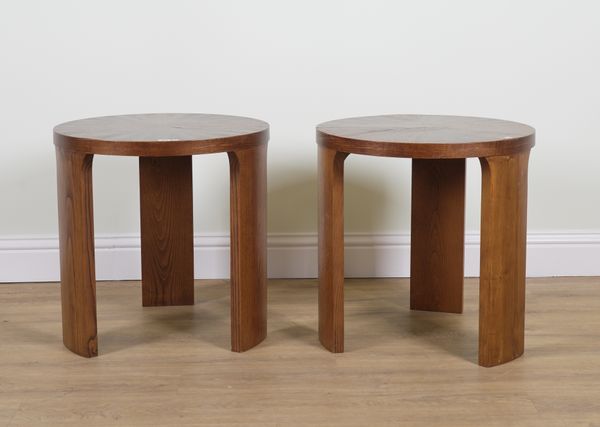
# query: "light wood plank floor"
[172,365]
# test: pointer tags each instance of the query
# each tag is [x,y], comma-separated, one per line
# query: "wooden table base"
[167,243]
[437,247]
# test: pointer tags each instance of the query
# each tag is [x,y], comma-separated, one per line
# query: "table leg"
[331,249]
[503,247]
[437,235]
[76,238]
[167,227]
[248,171]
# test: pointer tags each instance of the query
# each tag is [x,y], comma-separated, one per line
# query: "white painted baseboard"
[35,259]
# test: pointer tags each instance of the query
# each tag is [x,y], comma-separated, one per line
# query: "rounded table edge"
[426,150]
[161,148]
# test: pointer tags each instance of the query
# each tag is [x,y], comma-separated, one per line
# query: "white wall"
[295,64]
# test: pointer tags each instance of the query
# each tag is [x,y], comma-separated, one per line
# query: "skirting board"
[35,259]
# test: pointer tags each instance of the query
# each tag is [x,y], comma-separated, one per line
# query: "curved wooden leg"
[437,235]
[503,247]
[331,249]
[167,230]
[248,247]
[76,237]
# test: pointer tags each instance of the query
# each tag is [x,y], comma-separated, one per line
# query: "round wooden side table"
[164,144]
[438,146]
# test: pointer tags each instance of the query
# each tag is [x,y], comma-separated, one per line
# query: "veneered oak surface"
[161,134]
[425,136]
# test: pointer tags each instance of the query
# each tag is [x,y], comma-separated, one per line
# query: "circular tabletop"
[422,136]
[161,134]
